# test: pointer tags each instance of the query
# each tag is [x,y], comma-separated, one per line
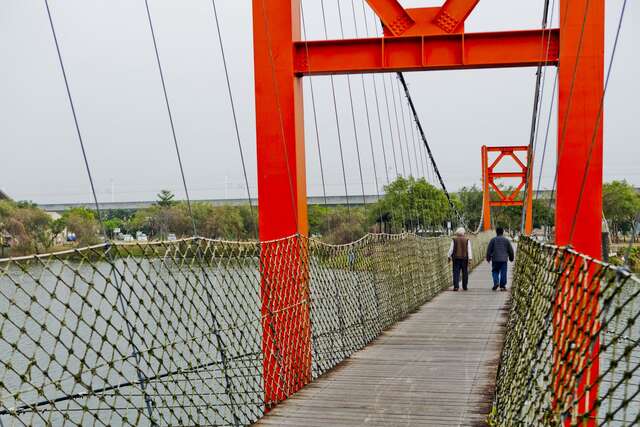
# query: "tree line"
[408,204]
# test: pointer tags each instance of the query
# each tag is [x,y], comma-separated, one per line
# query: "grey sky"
[109,57]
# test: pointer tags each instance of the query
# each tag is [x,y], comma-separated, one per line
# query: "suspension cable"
[426,145]
[173,129]
[379,116]
[546,135]
[233,111]
[404,128]
[570,98]
[75,121]
[141,376]
[366,107]
[315,118]
[598,123]
[395,109]
[537,100]
[417,152]
[337,120]
[353,114]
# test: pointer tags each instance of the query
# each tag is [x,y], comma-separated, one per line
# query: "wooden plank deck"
[435,368]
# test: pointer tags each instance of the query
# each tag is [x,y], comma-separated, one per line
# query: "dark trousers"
[458,266]
[499,273]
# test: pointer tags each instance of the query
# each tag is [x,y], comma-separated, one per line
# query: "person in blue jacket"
[499,253]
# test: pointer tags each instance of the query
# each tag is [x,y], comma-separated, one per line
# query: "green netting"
[176,333]
[570,315]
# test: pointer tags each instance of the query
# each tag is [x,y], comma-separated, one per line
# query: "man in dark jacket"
[498,253]
[460,253]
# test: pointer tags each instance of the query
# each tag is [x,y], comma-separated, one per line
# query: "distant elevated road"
[135,205]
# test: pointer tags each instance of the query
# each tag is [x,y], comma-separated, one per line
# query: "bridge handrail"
[173,332]
[573,333]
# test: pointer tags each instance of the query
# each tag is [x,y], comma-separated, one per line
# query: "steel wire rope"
[535,117]
[395,109]
[393,149]
[546,135]
[428,148]
[170,115]
[598,122]
[199,255]
[384,151]
[565,122]
[366,106]
[353,114]
[377,101]
[130,330]
[315,115]
[375,94]
[75,119]
[235,118]
[337,120]
[417,150]
[406,143]
[378,33]
[419,165]
[404,126]
[393,145]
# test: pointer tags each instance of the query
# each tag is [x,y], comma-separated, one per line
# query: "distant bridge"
[353,200]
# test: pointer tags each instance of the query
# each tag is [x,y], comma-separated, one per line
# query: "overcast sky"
[108,53]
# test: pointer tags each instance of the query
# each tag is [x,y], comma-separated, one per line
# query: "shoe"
[503,289]
[495,288]
[455,289]
[465,289]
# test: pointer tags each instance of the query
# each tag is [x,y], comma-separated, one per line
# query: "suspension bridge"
[289,330]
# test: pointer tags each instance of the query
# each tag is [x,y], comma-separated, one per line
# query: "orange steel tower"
[489,175]
[418,39]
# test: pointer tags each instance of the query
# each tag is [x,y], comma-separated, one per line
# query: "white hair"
[460,231]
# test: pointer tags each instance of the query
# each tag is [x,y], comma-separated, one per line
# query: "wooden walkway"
[435,368]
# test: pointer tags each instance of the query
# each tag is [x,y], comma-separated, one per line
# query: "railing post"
[486,196]
[282,200]
[579,185]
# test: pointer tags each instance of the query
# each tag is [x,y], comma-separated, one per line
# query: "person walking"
[460,254]
[499,253]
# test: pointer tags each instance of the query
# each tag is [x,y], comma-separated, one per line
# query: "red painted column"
[486,195]
[581,74]
[282,200]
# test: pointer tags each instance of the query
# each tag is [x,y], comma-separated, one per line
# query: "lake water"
[72,327]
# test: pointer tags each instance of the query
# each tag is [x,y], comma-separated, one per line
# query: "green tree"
[317,215]
[165,199]
[249,221]
[471,205]
[543,214]
[410,204]
[344,225]
[621,206]
[84,224]
[27,224]
[111,224]
[57,227]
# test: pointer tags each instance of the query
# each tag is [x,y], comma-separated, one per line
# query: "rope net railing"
[197,331]
[572,349]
